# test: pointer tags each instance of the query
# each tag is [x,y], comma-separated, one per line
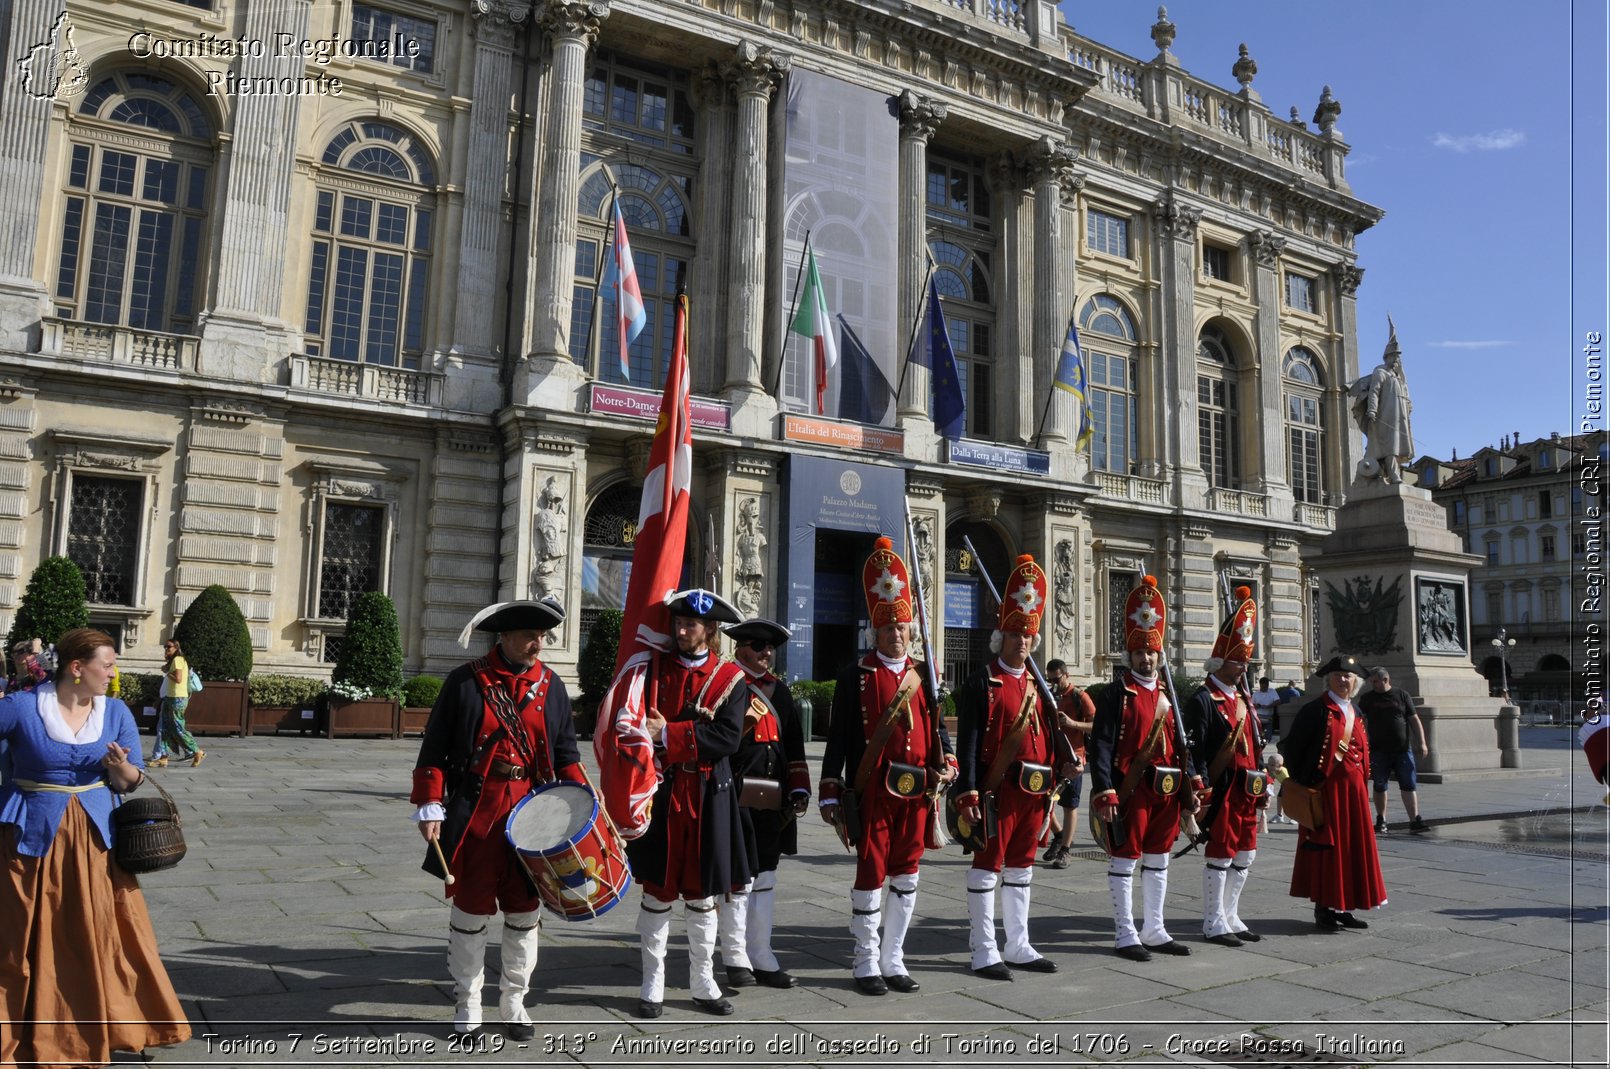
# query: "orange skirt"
[79,972]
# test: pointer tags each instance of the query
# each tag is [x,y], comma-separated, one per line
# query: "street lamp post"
[1503,644]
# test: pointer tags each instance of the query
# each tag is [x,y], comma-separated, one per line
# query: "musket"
[1049,698]
[941,836]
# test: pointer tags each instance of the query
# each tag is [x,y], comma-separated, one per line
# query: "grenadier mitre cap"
[1238,634]
[888,586]
[1023,604]
[1144,617]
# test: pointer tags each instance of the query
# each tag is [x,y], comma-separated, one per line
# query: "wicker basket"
[147,836]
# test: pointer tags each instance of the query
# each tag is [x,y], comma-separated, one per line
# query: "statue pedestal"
[1394,589]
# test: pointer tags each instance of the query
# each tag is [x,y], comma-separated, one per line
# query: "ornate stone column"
[754,72]
[38,34]
[550,377]
[1014,282]
[1266,293]
[242,336]
[919,119]
[1050,171]
[1341,458]
[707,288]
[1175,225]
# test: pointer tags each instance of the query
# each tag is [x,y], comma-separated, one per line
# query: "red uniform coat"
[988,710]
[1211,717]
[1336,866]
[1124,715]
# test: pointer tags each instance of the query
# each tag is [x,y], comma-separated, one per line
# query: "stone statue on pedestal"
[1381,405]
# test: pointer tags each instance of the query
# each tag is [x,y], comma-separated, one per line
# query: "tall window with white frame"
[1300,292]
[133,236]
[961,236]
[1107,333]
[638,145]
[1218,411]
[369,277]
[1304,429]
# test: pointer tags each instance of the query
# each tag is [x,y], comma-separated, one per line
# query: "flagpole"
[922,307]
[793,310]
[593,343]
[1049,397]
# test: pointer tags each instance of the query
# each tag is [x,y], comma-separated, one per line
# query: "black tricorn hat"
[703,604]
[756,628]
[544,615]
[1342,662]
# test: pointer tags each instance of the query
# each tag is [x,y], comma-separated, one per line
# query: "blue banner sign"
[998,457]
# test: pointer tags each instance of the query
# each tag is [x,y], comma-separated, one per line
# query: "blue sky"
[1460,116]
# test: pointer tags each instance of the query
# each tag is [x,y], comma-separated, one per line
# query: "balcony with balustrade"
[367,381]
[1126,487]
[113,344]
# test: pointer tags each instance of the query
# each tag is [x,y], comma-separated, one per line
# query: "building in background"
[306,300]
[1522,506]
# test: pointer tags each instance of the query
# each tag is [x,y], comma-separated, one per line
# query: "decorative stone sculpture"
[1064,596]
[750,574]
[1381,405]
[548,548]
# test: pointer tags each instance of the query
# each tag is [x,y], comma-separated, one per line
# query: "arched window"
[1109,342]
[637,146]
[133,238]
[1304,429]
[371,252]
[962,239]
[1218,411]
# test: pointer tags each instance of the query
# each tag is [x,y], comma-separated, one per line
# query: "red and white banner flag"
[627,776]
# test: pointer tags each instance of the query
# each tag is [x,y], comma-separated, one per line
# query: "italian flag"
[814,323]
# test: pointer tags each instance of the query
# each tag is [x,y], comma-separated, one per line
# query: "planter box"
[273,719]
[369,716]
[220,709]
[413,720]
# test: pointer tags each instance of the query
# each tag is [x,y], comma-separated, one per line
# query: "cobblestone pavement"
[300,930]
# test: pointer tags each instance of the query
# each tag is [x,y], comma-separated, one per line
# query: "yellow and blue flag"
[1071,377]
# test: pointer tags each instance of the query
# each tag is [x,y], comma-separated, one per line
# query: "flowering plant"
[352,692]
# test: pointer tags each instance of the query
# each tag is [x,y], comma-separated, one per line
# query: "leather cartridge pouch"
[1256,782]
[1165,781]
[760,794]
[1034,779]
[905,781]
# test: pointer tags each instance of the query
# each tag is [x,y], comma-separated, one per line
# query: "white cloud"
[1492,141]
[1486,344]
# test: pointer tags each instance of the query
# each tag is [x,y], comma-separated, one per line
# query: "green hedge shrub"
[138,689]
[421,691]
[819,693]
[284,692]
[596,669]
[371,654]
[214,637]
[53,602]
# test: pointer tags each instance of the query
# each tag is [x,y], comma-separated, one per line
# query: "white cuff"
[825,802]
[430,811]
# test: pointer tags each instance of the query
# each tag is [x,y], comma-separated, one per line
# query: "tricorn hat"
[544,615]
[888,586]
[1342,662]
[703,604]
[1144,617]
[1023,606]
[1238,634]
[755,629]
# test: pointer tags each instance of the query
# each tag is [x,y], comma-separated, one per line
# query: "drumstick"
[447,873]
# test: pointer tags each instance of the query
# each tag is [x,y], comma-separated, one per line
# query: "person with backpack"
[177,683]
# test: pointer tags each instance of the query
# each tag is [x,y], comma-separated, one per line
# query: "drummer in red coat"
[1326,748]
[694,846]
[1137,772]
[1007,743]
[893,748]
[501,723]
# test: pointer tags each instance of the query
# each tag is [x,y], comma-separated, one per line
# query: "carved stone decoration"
[1162,31]
[1051,160]
[984,504]
[1440,614]
[756,69]
[1266,247]
[354,488]
[920,116]
[495,21]
[580,19]
[1245,69]
[1176,220]
[1297,118]
[1063,594]
[1325,115]
[1348,278]
[550,540]
[749,576]
[927,551]
[1381,406]
[1365,615]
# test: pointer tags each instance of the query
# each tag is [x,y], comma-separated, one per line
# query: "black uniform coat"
[771,834]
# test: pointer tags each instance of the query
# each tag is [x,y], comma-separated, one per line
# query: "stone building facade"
[305,299]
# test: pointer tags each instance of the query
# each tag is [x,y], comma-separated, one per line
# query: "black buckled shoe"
[998,971]
[871,985]
[716,1007]
[1326,918]
[1037,965]
[738,976]
[1173,946]
[1227,939]
[1347,920]
[902,983]
[1247,936]
[1134,952]
[774,978]
[648,1009]
[521,1033]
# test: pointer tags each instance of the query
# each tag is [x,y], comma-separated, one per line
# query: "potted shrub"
[419,696]
[138,690]
[52,603]
[366,687]
[219,648]
[283,703]
[596,668]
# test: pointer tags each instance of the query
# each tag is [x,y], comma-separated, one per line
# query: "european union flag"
[863,389]
[950,407]
[1071,377]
